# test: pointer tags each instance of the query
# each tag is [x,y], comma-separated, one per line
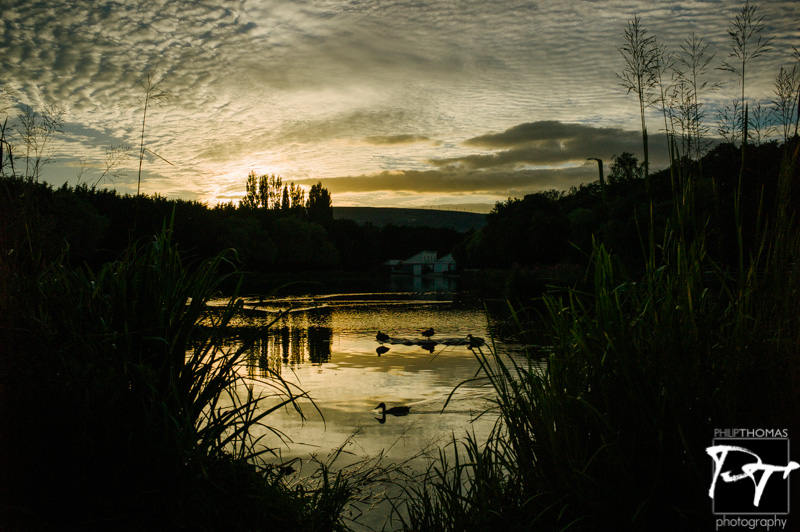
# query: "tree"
[274,188]
[296,198]
[270,192]
[625,168]
[262,196]
[251,199]
[270,189]
[285,205]
[319,206]
[7,94]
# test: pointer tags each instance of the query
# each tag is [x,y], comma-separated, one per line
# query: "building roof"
[423,257]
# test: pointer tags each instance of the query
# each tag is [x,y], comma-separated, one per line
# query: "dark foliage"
[93,226]
[550,227]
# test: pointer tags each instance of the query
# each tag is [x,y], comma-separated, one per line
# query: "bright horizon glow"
[399,104]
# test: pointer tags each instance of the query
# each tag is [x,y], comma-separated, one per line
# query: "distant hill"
[380,216]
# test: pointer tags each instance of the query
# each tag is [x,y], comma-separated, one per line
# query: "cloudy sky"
[388,103]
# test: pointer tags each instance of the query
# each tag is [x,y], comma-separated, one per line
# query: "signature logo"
[720,452]
[757,460]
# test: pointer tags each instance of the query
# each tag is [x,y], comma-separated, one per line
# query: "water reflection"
[428,284]
[350,352]
[289,346]
[329,347]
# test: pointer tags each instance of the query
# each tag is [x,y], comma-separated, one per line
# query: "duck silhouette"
[428,332]
[381,349]
[394,411]
[475,341]
[382,337]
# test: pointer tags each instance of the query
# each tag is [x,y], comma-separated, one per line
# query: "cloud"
[495,183]
[549,142]
[392,140]
[360,88]
[350,125]
[527,157]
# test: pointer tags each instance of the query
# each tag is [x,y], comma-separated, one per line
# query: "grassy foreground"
[612,434]
[108,424]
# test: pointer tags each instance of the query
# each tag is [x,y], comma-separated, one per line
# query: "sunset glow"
[389,104]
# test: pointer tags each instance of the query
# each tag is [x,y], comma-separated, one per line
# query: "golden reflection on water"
[327,347]
[289,346]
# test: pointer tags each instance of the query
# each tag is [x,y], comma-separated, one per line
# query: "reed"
[152,413]
[611,433]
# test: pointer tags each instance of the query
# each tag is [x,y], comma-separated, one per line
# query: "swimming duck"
[475,341]
[382,337]
[428,333]
[394,411]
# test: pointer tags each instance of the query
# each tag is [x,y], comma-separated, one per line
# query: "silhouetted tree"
[251,198]
[297,198]
[319,206]
[285,202]
[625,168]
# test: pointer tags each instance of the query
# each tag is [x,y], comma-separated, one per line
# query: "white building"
[424,263]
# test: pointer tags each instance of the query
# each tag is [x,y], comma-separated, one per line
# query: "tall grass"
[611,435]
[125,409]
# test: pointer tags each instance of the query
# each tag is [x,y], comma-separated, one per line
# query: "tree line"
[90,225]
[269,192]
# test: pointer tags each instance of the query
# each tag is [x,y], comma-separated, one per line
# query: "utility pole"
[602,181]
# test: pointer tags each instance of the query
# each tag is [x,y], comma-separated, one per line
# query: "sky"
[407,103]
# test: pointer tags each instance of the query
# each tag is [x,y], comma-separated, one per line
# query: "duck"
[382,337]
[428,332]
[381,349]
[475,341]
[394,411]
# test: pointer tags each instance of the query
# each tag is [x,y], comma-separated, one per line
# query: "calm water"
[327,347]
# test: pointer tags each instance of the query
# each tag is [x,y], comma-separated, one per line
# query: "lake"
[326,346]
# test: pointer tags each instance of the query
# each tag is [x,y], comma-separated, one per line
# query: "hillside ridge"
[380,216]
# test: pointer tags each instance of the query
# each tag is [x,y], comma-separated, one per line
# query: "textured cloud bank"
[399,90]
[437,181]
[540,155]
[547,143]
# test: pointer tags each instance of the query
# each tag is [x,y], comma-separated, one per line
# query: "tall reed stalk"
[611,434]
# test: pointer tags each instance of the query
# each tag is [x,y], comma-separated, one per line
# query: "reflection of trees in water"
[319,344]
[291,345]
[423,285]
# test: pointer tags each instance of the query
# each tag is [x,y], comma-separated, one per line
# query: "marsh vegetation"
[665,304]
